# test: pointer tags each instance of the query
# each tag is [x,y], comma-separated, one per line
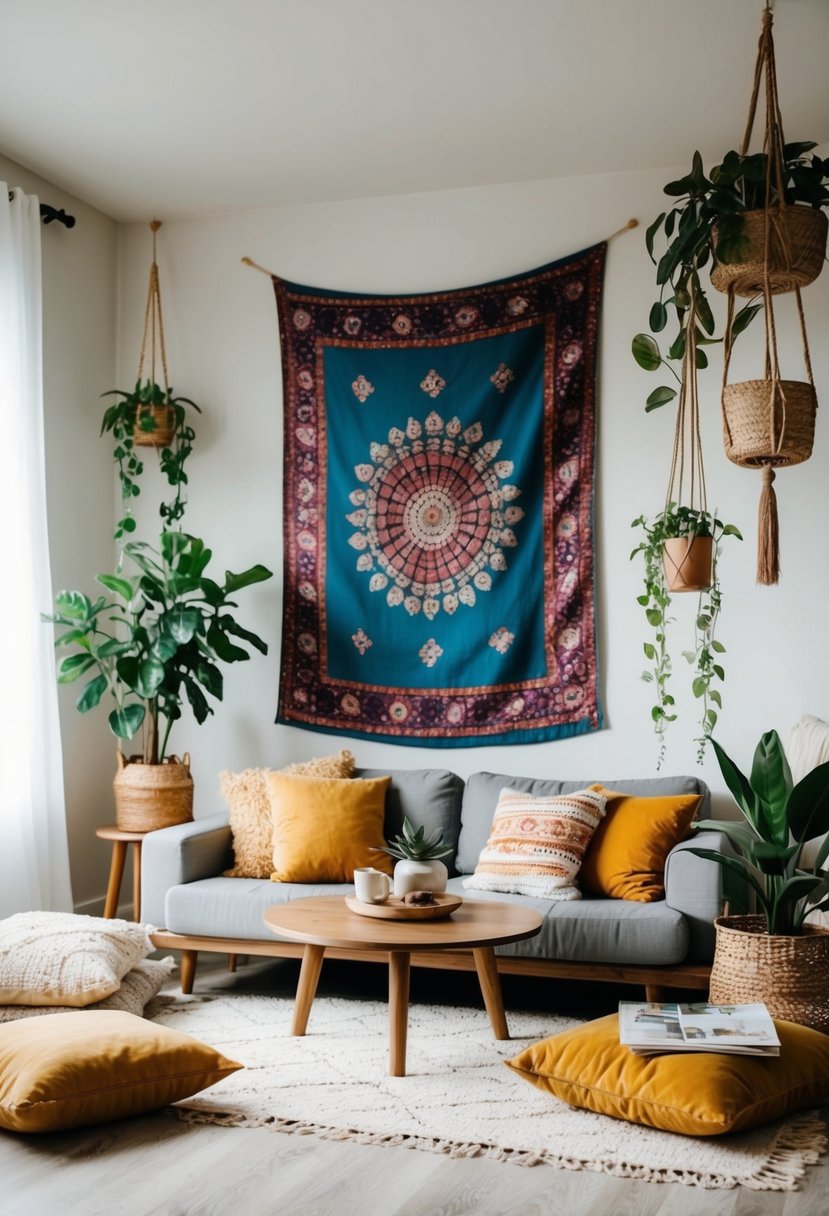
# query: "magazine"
[648,1028]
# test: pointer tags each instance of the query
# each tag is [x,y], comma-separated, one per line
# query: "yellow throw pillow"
[323,829]
[536,844]
[73,1069]
[250,811]
[626,857]
[695,1093]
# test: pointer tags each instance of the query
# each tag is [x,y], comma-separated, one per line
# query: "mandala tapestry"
[438,525]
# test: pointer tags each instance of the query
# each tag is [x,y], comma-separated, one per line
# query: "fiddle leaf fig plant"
[706,223]
[705,658]
[778,819]
[157,640]
[126,418]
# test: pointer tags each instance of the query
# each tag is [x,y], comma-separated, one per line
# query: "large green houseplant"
[775,956]
[677,522]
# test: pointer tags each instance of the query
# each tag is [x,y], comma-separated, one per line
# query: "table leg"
[116,873]
[309,974]
[136,880]
[399,966]
[490,983]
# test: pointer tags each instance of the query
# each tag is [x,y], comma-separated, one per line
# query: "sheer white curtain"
[34,855]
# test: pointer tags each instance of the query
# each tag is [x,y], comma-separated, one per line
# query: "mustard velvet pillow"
[626,857]
[324,828]
[695,1094]
[73,1069]
[250,811]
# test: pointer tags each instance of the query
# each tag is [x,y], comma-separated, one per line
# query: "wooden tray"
[395,909]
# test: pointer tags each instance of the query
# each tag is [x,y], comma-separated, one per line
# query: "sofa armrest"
[186,852]
[694,887]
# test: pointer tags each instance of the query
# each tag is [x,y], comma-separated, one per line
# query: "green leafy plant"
[131,414]
[778,819]
[705,223]
[705,658]
[158,642]
[415,845]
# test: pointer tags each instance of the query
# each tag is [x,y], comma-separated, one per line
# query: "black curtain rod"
[48,214]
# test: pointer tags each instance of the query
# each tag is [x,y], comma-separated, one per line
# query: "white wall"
[78,364]
[223,351]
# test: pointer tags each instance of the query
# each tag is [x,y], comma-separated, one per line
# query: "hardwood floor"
[157,1166]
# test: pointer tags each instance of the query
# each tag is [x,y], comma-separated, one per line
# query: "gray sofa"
[668,943]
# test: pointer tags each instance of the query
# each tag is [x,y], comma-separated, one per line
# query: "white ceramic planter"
[410,875]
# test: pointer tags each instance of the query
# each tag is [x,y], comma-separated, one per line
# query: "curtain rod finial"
[155,225]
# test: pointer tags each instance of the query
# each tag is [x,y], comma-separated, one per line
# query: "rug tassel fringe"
[768,533]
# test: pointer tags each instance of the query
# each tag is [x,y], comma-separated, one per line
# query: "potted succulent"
[418,867]
[670,548]
[149,415]
[155,643]
[774,956]
[714,223]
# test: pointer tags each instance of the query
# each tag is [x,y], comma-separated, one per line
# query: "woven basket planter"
[758,430]
[790,974]
[797,247]
[151,796]
[688,562]
[164,427]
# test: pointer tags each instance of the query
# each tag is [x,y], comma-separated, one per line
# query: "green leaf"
[717,646]
[92,694]
[771,780]
[150,676]
[743,319]
[659,396]
[73,667]
[255,574]
[181,623]
[223,647]
[125,722]
[231,626]
[738,785]
[73,604]
[651,232]
[808,805]
[121,586]
[658,317]
[646,352]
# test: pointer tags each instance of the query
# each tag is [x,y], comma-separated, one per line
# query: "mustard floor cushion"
[693,1093]
[92,1066]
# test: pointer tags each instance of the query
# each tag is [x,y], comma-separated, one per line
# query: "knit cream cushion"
[58,958]
[250,810]
[138,987]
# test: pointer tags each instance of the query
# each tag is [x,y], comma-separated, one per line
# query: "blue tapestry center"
[428,544]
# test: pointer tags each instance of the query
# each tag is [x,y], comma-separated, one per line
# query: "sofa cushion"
[536,845]
[626,857]
[324,828]
[235,907]
[480,798]
[246,796]
[427,797]
[596,930]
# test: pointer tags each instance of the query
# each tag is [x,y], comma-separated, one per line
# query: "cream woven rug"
[458,1098]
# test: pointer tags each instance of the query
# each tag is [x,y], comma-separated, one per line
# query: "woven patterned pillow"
[536,844]
[58,958]
[138,987]
[250,810]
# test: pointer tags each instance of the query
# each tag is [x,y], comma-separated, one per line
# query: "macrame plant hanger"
[162,431]
[770,423]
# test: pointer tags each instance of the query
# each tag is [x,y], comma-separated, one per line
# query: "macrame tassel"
[768,532]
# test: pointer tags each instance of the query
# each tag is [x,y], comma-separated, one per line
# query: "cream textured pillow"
[138,987]
[250,810]
[536,844]
[58,958]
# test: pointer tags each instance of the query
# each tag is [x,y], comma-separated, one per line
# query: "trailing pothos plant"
[705,657]
[157,641]
[132,414]
[707,222]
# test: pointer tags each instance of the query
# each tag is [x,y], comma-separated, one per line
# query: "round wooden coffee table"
[325,920]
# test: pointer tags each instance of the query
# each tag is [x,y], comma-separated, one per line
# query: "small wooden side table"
[120,840]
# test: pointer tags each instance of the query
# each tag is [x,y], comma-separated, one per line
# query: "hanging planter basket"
[787,244]
[152,796]
[790,974]
[688,563]
[163,429]
[155,421]
[768,423]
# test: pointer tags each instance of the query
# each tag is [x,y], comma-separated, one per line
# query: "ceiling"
[181,108]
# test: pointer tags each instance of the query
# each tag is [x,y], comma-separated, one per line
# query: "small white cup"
[371,886]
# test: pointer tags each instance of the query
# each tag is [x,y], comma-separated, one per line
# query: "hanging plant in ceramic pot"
[680,549]
[419,867]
